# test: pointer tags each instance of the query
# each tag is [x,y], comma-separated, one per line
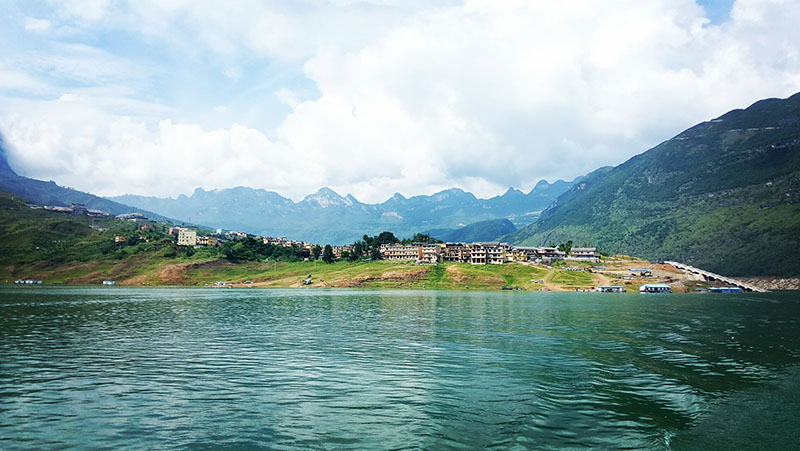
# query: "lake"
[122,368]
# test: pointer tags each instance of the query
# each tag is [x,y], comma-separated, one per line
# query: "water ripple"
[287,369]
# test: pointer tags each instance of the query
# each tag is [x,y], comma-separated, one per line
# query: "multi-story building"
[187,237]
[584,254]
[525,253]
[456,252]
[429,253]
[400,251]
[420,252]
[493,253]
[338,251]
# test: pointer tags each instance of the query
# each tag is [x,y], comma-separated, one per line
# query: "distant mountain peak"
[326,197]
[511,191]
[448,193]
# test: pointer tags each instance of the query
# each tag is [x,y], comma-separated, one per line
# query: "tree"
[327,254]
[565,247]
[359,247]
[384,238]
[316,251]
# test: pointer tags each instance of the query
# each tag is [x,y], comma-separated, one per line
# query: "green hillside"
[723,195]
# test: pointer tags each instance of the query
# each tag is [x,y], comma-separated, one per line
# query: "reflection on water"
[140,368]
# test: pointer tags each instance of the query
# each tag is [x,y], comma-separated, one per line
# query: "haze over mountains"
[327,217]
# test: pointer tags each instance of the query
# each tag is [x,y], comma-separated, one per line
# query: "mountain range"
[723,195]
[49,193]
[327,217]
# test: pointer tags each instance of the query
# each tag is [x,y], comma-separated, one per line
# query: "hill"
[723,195]
[489,230]
[49,193]
[327,217]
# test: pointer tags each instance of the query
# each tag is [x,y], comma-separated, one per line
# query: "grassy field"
[145,270]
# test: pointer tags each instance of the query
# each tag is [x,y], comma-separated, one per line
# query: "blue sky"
[371,97]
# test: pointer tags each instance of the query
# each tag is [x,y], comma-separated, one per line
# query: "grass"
[572,278]
[65,248]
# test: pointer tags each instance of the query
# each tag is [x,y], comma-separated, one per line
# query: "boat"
[725,290]
[655,288]
[109,282]
[610,289]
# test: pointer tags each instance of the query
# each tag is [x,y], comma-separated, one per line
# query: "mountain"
[489,230]
[327,217]
[49,193]
[723,195]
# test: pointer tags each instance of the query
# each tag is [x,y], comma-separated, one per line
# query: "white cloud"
[35,25]
[480,95]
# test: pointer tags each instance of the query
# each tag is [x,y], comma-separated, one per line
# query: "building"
[549,254]
[400,252]
[120,239]
[419,252]
[205,241]
[132,217]
[492,253]
[187,237]
[338,251]
[456,252]
[525,253]
[586,254]
[429,253]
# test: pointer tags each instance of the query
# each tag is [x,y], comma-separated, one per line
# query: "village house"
[525,253]
[587,254]
[429,253]
[187,237]
[338,251]
[132,217]
[120,239]
[399,252]
[456,252]
[548,254]
[419,252]
[206,241]
[493,253]
[80,209]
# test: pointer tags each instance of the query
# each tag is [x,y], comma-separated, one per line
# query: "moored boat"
[655,288]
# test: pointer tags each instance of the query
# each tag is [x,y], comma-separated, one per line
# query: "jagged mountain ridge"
[723,195]
[328,217]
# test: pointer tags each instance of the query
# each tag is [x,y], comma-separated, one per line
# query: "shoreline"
[389,275]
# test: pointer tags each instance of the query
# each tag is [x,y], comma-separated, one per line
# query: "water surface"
[119,368]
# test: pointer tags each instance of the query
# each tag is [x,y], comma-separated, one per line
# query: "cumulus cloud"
[481,95]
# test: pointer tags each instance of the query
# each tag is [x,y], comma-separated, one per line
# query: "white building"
[187,237]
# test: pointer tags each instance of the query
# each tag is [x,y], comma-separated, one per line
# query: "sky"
[371,97]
